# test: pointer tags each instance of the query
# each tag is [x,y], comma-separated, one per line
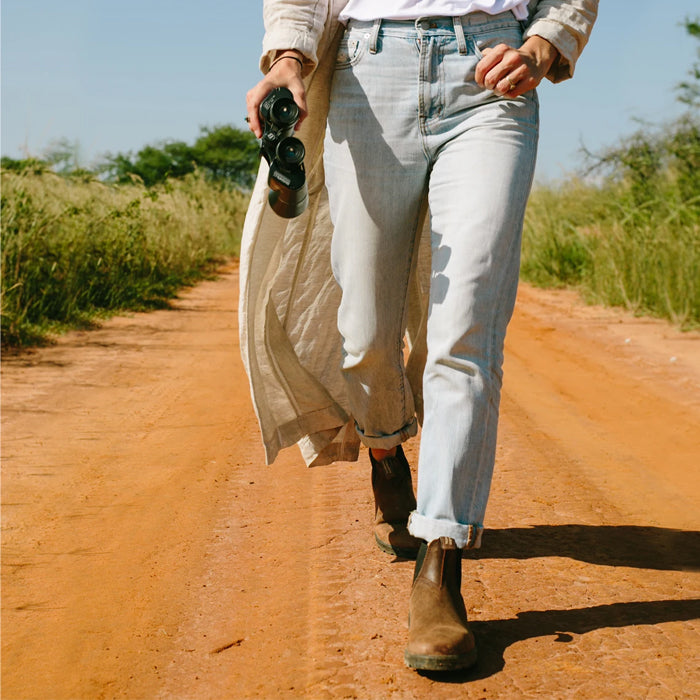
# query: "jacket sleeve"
[293,24]
[567,25]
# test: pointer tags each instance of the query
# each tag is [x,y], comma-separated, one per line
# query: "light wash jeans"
[408,125]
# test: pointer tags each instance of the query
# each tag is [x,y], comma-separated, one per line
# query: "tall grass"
[75,248]
[632,240]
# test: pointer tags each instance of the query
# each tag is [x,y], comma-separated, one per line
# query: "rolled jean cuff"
[386,442]
[465,536]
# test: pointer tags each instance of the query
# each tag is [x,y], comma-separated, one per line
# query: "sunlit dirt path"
[149,553]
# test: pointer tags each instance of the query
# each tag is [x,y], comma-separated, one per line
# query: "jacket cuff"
[272,46]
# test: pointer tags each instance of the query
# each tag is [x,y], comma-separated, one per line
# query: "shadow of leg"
[641,547]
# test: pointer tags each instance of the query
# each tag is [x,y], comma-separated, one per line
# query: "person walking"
[416,114]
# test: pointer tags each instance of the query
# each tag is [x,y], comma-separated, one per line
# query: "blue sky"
[117,75]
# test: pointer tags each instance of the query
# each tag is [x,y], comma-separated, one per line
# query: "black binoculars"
[284,153]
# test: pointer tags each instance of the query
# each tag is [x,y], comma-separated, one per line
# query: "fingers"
[253,99]
[299,94]
[491,58]
[497,65]
[507,71]
[283,74]
[515,83]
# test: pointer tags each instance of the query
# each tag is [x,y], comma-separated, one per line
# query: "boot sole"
[452,662]
[398,551]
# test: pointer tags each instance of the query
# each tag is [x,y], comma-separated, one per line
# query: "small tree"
[227,154]
[152,164]
[222,153]
[64,156]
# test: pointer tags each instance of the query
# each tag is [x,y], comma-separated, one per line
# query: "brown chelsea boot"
[393,501]
[438,636]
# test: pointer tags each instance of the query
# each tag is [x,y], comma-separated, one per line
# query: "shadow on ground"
[622,546]
[495,636]
[609,545]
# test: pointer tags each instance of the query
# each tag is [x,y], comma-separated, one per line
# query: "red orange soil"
[149,553]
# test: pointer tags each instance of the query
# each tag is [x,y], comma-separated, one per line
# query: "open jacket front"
[290,344]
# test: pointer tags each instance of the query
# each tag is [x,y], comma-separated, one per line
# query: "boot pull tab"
[430,563]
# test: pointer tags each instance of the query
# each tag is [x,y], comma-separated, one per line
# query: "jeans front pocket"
[350,51]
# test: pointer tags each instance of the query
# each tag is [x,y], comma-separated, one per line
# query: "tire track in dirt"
[148,551]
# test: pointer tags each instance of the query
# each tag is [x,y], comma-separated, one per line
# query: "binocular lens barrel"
[284,112]
[288,203]
[290,151]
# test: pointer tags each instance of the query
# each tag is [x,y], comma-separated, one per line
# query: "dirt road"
[149,553]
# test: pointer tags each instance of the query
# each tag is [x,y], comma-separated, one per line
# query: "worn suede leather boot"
[393,501]
[438,636]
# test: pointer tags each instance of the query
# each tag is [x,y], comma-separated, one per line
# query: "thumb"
[299,94]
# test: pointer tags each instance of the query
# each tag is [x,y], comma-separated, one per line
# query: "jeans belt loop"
[374,37]
[459,33]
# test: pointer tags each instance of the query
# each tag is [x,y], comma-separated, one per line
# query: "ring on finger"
[510,83]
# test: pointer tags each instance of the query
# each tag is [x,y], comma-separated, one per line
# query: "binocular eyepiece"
[284,153]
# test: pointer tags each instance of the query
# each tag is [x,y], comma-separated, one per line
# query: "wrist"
[289,59]
[288,52]
[542,51]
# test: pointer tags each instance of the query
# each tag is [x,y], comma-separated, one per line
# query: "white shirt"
[365,10]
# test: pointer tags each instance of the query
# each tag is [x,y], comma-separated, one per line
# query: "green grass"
[75,249]
[634,239]
[586,238]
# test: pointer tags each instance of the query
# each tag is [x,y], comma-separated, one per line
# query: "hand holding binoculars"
[288,195]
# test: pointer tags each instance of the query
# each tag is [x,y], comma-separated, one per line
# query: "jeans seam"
[421,97]
[498,307]
[441,80]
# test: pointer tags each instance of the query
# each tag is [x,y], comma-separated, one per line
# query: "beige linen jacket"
[290,344]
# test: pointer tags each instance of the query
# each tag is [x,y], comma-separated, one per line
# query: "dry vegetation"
[75,248]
